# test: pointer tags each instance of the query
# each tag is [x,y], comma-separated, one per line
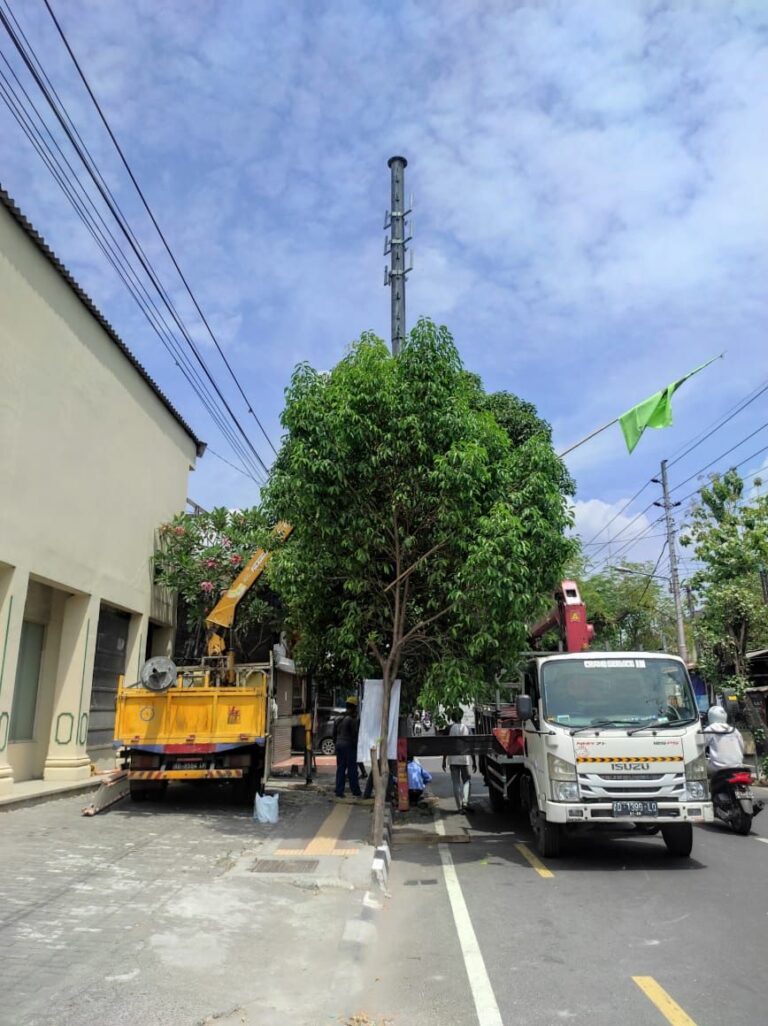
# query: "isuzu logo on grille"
[630,767]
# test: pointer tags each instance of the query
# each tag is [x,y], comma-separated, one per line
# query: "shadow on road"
[217,806]
[493,838]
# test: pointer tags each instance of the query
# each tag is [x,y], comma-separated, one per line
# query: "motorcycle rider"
[725,745]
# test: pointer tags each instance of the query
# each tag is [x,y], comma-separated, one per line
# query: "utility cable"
[738,466]
[224,460]
[640,537]
[652,575]
[721,421]
[625,528]
[155,223]
[617,515]
[93,172]
[692,444]
[112,252]
[721,456]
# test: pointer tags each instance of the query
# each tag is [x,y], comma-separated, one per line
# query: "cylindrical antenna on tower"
[395,246]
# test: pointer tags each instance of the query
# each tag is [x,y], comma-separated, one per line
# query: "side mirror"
[524,707]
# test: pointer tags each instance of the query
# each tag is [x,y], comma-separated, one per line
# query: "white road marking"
[482,992]
[763,840]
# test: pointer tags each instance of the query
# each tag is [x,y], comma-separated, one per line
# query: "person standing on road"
[459,764]
[345,731]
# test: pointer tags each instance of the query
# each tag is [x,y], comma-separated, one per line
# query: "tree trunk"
[381,785]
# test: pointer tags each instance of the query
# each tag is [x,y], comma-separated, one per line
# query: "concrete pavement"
[173,913]
[579,943]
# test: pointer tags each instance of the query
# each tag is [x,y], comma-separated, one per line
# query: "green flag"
[655,412]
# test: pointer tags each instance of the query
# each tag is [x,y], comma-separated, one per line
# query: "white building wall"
[91,463]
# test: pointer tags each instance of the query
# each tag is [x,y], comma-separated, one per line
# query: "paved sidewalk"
[180,912]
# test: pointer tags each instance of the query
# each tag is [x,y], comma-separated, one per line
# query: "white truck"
[603,741]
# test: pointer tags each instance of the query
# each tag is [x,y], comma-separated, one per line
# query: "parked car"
[326,717]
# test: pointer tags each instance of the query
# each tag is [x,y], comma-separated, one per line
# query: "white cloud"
[590,217]
[611,539]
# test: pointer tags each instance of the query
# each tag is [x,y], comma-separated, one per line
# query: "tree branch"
[419,627]
[413,566]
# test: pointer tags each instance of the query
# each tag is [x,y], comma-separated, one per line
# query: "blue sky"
[590,206]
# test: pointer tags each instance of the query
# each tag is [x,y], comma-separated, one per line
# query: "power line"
[693,443]
[738,466]
[617,515]
[722,456]
[721,421]
[638,537]
[69,184]
[631,542]
[625,528]
[224,460]
[652,574]
[111,203]
[148,209]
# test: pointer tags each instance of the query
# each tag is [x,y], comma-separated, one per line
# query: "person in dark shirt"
[345,731]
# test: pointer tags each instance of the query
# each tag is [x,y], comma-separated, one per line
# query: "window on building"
[25,689]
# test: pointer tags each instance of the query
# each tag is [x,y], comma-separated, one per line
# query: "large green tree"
[728,531]
[425,529]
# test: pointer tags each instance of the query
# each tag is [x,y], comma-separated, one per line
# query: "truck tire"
[678,838]
[548,836]
[248,786]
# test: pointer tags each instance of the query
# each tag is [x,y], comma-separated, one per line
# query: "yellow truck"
[188,724]
[205,722]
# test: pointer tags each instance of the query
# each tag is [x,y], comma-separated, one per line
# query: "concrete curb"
[47,793]
[382,856]
[359,934]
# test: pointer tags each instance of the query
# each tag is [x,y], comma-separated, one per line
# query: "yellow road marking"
[537,864]
[324,841]
[670,1009]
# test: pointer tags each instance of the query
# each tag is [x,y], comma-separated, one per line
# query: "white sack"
[265,808]
[370,720]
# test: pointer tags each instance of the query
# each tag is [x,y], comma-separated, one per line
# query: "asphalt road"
[566,947]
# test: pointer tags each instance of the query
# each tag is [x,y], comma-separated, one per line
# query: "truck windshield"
[628,692]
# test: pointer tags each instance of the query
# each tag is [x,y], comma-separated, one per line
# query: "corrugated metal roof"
[88,303]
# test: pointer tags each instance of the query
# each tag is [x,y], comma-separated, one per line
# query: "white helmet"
[716,714]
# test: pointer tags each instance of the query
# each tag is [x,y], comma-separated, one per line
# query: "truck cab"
[611,741]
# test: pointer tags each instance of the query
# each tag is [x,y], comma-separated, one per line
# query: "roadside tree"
[729,535]
[199,555]
[629,611]
[423,531]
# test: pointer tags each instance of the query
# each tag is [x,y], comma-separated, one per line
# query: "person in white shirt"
[725,745]
[459,764]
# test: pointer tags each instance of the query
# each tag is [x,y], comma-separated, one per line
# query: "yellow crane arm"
[223,613]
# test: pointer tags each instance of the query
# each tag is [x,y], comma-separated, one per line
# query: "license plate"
[635,809]
[191,765]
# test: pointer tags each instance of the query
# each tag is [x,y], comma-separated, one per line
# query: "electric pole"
[394,246]
[667,506]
